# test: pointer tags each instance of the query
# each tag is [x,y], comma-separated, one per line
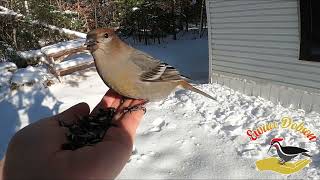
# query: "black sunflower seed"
[88,130]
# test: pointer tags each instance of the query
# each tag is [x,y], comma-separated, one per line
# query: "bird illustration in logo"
[286,153]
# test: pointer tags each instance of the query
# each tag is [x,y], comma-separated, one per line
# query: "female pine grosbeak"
[132,73]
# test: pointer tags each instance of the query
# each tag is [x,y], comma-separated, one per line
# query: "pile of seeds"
[88,131]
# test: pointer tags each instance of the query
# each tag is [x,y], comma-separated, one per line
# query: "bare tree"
[201,18]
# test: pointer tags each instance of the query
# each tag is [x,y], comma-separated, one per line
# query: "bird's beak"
[90,43]
[269,149]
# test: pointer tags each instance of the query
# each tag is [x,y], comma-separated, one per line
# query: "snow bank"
[7,66]
[3,59]
[30,75]
[191,63]
[6,72]
[190,136]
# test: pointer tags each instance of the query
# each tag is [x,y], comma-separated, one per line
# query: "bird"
[131,72]
[286,153]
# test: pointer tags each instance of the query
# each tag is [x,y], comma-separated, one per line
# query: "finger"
[127,124]
[74,113]
[110,99]
[130,121]
[127,103]
[302,162]
[267,163]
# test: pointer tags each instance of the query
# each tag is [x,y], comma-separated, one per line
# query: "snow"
[30,75]
[135,8]
[65,12]
[6,11]
[6,71]
[188,54]
[185,135]
[74,60]
[52,49]
[7,66]
[62,46]
[30,54]
[70,32]
[207,139]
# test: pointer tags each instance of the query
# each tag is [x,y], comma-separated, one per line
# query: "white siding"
[259,40]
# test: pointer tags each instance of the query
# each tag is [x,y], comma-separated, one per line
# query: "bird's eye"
[106,35]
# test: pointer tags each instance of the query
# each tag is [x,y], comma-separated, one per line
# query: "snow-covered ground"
[188,54]
[183,136]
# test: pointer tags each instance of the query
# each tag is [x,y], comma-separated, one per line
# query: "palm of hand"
[35,151]
[272,164]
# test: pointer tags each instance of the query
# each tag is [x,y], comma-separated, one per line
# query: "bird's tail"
[188,86]
[305,154]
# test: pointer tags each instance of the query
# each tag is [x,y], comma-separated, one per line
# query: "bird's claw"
[135,108]
[123,99]
[281,162]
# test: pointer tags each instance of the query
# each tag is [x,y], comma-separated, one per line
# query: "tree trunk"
[11,4]
[87,24]
[14,34]
[201,19]
[145,37]
[186,12]
[173,19]
[187,24]
[95,14]
[26,6]
[181,15]
[78,7]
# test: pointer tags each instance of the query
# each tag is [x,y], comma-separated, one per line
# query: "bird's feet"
[123,99]
[137,107]
[282,162]
[133,108]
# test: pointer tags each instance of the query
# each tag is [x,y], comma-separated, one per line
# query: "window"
[310,30]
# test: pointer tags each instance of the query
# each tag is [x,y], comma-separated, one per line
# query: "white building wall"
[254,48]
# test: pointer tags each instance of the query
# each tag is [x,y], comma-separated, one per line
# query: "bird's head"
[99,37]
[275,142]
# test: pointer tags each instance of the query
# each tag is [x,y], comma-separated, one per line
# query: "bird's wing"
[294,150]
[154,70]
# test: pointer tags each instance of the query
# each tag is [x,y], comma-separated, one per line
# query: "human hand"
[273,164]
[35,151]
